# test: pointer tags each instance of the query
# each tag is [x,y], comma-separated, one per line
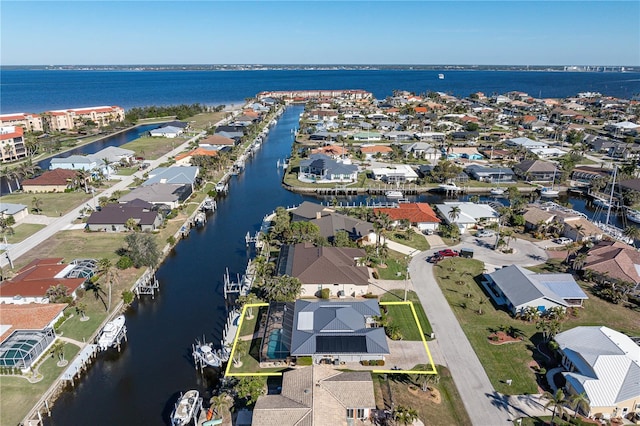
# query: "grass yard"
[153,148]
[501,362]
[205,120]
[19,396]
[448,411]
[401,315]
[127,171]
[510,361]
[53,204]
[23,231]
[417,240]
[396,267]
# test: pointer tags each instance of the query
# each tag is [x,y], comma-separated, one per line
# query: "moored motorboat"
[206,355]
[449,186]
[394,194]
[633,215]
[186,408]
[110,332]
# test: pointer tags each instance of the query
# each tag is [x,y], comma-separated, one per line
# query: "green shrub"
[304,360]
[124,262]
[364,362]
[171,240]
[325,293]
[370,296]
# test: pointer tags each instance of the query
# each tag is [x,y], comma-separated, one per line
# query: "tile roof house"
[32,282]
[336,268]
[518,288]
[320,168]
[50,181]
[334,151]
[31,316]
[218,139]
[605,365]
[114,217]
[614,261]
[316,396]
[420,215]
[184,159]
[337,331]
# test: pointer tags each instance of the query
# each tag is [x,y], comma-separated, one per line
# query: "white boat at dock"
[205,355]
[497,191]
[449,186]
[440,76]
[110,332]
[186,408]
[394,194]
[633,215]
[549,192]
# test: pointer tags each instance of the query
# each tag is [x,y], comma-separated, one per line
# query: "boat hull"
[110,332]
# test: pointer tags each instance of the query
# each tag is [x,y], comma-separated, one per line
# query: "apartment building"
[12,146]
[28,121]
[69,119]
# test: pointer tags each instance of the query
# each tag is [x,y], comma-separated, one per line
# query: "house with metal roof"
[17,211]
[320,168]
[115,217]
[167,132]
[490,174]
[317,395]
[337,331]
[396,173]
[517,289]
[526,143]
[604,364]
[339,269]
[181,175]
[159,194]
[469,215]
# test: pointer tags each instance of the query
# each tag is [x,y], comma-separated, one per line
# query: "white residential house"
[167,132]
[470,215]
[398,173]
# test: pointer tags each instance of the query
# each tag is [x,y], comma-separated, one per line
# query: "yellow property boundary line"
[433,370]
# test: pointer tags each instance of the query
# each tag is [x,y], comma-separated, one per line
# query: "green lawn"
[153,148]
[396,267]
[127,171]
[22,231]
[417,240]
[19,396]
[449,411]
[501,362]
[206,119]
[52,204]
[402,316]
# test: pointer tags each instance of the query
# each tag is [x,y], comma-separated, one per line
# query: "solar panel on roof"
[341,344]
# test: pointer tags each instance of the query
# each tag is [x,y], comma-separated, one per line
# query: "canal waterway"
[140,385]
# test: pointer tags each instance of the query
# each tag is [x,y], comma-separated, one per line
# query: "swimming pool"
[275,347]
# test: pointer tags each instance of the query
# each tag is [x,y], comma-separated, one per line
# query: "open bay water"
[37,91]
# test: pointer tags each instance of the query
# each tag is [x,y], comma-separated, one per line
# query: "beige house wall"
[44,188]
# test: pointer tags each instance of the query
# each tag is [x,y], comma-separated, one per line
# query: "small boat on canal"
[110,333]
[186,408]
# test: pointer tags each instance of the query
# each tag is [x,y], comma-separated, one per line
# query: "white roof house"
[605,365]
[395,173]
[518,288]
[526,142]
[471,214]
[167,132]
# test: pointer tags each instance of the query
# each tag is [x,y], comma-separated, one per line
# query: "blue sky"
[308,32]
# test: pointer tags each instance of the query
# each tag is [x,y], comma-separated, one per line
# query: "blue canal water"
[140,385]
[41,90]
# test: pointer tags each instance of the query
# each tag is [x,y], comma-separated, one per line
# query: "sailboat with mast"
[549,192]
[497,190]
[611,230]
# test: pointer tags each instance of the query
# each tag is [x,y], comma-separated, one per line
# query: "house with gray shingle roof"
[315,396]
[320,168]
[604,364]
[337,331]
[159,194]
[518,288]
[182,175]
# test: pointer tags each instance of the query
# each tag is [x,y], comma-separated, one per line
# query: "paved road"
[484,405]
[63,222]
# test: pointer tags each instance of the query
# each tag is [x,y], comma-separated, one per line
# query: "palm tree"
[405,415]
[579,229]
[249,299]
[556,401]
[7,174]
[632,232]
[579,261]
[282,289]
[81,309]
[82,176]
[37,204]
[580,402]
[242,348]
[454,213]
[219,403]
[57,351]
[106,268]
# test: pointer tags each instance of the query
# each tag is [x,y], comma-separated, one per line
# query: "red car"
[447,253]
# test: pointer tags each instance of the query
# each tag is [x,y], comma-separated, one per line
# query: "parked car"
[485,233]
[447,253]
[563,241]
[435,258]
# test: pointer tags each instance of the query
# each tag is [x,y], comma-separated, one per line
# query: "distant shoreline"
[329,67]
